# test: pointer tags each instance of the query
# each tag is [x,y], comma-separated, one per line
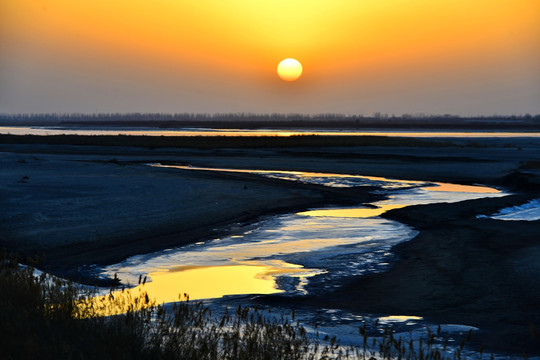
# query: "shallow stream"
[285,253]
[298,253]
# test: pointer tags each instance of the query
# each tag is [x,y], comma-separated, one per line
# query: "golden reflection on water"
[386,205]
[462,188]
[353,212]
[199,282]
[203,282]
[189,167]
[21,130]
[301,174]
[437,186]
[399,318]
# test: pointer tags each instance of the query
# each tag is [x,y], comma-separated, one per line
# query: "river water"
[298,253]
[285,253]
[41,130]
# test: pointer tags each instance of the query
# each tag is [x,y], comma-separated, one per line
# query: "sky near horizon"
[465,57]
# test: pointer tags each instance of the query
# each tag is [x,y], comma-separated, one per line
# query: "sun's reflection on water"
[203,282]
[443,192]
[399,319]
[355,212]
[26,130]
[199,282]
[462,188]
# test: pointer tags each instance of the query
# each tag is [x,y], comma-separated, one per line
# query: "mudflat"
[94,203]
[77,209]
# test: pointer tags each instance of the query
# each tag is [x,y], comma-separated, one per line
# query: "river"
[41,130]
[298,253]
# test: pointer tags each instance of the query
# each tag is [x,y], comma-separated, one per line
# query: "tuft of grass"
[40,319]
[50,318]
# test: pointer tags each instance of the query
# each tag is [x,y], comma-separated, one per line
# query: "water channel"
[298,253]
[284,253]
[59,130]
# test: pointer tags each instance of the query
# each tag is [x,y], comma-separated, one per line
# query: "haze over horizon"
[210,56]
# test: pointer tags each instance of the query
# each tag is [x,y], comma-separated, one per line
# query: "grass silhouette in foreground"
[49,318]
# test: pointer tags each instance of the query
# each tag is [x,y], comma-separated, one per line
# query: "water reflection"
[326,179]
[434,193]
[286,253]
[203,282]
[354,212]
[195,282]
[407,319]
[462,188]
[351,180]
[270,244]
[25,130]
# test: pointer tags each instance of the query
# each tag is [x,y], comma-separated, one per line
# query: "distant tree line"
[250,120]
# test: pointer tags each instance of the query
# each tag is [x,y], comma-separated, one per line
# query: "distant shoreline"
[279,121]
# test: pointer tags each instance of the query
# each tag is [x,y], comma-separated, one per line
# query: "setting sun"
[289,69]
[214,56]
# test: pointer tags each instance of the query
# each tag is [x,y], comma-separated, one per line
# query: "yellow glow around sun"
[289,69]
[336,40]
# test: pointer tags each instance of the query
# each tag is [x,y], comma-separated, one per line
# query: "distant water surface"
[25,130]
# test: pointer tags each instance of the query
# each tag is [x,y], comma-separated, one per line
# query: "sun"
[289,69]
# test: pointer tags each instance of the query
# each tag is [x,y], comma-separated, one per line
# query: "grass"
[49,318]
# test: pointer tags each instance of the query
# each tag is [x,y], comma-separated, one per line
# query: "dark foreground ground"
[98,203]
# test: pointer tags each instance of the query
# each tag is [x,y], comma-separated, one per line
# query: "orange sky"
[391,56]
